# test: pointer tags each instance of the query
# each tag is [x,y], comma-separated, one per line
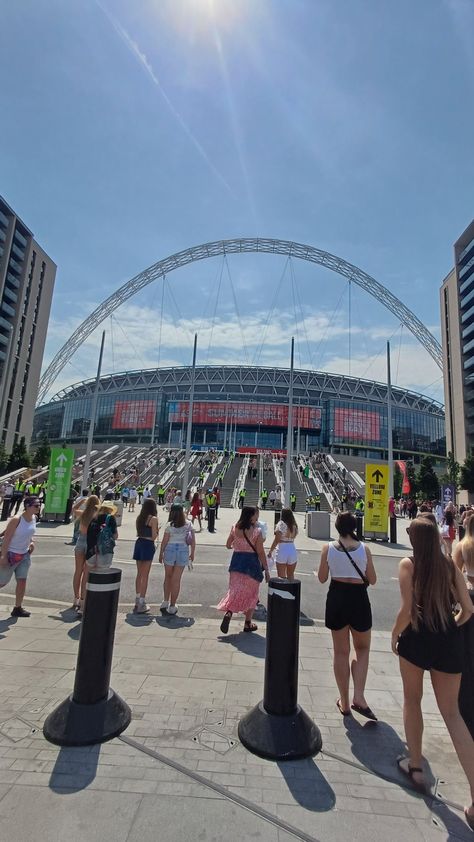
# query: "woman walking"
[247,568]
[448,531]
[80,550]
[144,550]
[196,510]
[348,612]
[464,553]
[286,556]
[427,636]
[177,550]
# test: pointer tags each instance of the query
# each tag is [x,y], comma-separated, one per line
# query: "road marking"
[67,602]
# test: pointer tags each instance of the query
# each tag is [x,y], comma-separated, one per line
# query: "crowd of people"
[436,594]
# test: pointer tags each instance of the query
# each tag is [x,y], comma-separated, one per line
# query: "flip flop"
[410,771]
[367,712]
[469,819]
[226,621]
[341,711]
[250,627]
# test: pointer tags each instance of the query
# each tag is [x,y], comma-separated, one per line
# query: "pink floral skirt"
[242,594]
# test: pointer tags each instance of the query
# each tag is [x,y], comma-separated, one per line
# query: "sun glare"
[200,16]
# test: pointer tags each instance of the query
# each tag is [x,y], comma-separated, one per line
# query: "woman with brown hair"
[144,550]
[78,580]
[247,568]
[464,553]
[348,613]
[177,550]
[448,531]
[286,556]
[427,636]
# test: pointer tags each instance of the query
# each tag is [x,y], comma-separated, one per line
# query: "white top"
[146,494]
[133,494]
[286,536]
[340,566]
[263,528]
[177,533]
[23,536]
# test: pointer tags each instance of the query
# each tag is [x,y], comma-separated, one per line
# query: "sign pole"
[190,421]
[85,474]
[389,425]
[289,433]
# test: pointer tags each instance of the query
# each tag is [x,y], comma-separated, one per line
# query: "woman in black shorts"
[427,636]
[144,550]
[348,613]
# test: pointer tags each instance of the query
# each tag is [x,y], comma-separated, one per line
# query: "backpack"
[105,539]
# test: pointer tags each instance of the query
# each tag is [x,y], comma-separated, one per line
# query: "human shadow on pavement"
[6,623]
[74,769]
[172,621]
[309,788]
[75,632]
[305,620]
[249,644]
[139,620]
[376,745]
[67,615]
[445,817]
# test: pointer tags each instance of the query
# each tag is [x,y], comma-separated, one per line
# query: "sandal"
[340,709]
[365,711]
[469,818]
[249,627]
[409,771]
[226,621]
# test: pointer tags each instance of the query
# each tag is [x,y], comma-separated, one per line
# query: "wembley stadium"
[246,408]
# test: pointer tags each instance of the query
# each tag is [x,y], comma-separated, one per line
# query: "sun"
[201,17]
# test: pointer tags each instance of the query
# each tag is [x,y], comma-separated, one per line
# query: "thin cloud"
[133,47]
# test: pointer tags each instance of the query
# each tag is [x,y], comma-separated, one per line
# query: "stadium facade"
[248,408]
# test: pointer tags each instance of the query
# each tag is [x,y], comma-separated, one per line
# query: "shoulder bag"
[356,566]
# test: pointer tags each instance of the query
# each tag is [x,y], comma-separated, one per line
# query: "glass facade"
[345,425]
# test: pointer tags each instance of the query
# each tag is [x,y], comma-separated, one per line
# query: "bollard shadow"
[445,818]
[74,769]
[75,632]
[376,745]
[249,644]
[172,621]
[5,625]
[309,788]
[139,620]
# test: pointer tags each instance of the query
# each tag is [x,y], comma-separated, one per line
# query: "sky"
[130,131]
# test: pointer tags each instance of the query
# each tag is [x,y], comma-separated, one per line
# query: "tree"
[3,459]
[19,457]
[467,475]
[427,481]
[42,453]
[397,482]
[453,470]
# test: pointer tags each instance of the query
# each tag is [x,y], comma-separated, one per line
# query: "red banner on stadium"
[267,414]
[406,487]
[133,415]
[356,424]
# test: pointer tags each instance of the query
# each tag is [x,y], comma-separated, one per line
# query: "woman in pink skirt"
[247,566]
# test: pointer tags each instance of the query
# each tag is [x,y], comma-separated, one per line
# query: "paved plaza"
[179,771]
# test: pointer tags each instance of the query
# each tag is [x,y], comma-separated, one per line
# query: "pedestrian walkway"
[179,771]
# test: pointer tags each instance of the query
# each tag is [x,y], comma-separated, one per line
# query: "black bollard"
[278,728]
[393,530]
[359,522]
[466,691]
[94,713]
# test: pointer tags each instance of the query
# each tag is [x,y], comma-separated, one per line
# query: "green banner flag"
[59,479]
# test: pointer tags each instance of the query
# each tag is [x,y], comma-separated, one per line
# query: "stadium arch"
[237,246]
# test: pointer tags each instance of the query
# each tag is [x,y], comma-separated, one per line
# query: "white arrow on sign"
[61,458]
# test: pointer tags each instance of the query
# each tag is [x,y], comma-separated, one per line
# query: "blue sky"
[133,130]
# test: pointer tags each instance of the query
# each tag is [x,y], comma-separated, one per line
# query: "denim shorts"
[100,562]
[20,570]
[176,555]
[81,543]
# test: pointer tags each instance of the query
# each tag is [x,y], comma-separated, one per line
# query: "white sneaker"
[173,609]
[164,605]
[142,608]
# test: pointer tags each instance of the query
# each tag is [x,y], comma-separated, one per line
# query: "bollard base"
[279,737]
[73,724]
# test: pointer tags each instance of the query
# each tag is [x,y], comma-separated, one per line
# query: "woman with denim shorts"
[80,550]
[175,553]
[16,550]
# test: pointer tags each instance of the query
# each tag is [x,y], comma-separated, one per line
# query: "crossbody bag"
[356,566]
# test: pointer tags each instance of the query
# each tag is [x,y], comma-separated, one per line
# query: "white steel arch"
[237,246]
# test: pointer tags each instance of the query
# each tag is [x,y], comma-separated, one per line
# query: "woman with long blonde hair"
[464,553]
[78,581]
[427,636]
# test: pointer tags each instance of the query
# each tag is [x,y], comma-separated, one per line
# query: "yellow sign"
[376,501]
